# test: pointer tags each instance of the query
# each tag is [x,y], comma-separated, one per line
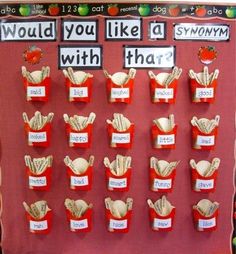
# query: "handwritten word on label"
[123,29]
[38,225]
[80,57]
[79,180]
[120,138]
[209,32]
[37,136]
[204,93]
[149,56]
[204,184]
[79,30]
[78,137]
[37,181]
[164,93]
[78,224]
[166,139]
[162,184]
[205,140]
[210,223]
[162,223]
[118,224]
[28,30]
[117,183]
[36,91]
[78,92]
[157,30]
[119,93]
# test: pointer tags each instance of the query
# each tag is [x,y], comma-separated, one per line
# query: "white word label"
[149,56]
[80,57]
[162,223]
[37,136]
[78,92]
[78,137]
[120,138]
[123,29]
[28,31]
[210,223]
[119,93]
[208,32]
[118,224]
[117,183]
[204,184]
[162,184]
[164,93]
[166,139]
[205,140]
[38,225]
[36,91]
[79,30]
[204,93]
[79,180]
[78,224]
[37,181]
[157,30]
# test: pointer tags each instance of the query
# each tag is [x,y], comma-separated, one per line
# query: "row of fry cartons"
[118,215]
[120,131]
[120,85]
[118,173]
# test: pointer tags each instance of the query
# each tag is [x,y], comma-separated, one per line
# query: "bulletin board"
[113,49]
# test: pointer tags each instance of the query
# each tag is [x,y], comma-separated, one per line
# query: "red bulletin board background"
[184,238]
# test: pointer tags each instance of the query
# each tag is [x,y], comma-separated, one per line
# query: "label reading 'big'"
[38,225]
[120,138]
[205,140]
[78,137]
[35,91]
[37,136]
[162,223]
[78,92]
[119,93]
[118,224]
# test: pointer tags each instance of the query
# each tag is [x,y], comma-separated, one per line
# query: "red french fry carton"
[121,139]
[118,183]
[202,141]
[81,224]
[118,225]
[163,140]
[80,139]
[161,94]
[40,226]
[120,93]
[203,184]
[161,223]
[82,181]
[160,183]
[40,182]
[39,91]
[81,92]
[39,138]
[203,223]
[201,93]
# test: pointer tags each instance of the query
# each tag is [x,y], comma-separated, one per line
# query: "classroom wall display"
[133,66]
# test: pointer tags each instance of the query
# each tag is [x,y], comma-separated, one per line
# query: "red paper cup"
[163,140]
[40,226]
[203,223]
[202,141]
[82,181]
[201,93]
[160,183]
[82,224]
[81,92]
[118,183]
[160,94]
[39,138]
[80,139]
[120,139]
[117,93]
[116,225]
[202,183]
[161,223]
[39,91]
[40,182]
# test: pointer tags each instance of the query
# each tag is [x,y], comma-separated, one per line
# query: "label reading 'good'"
[166,139]
[78,137]
[117,183]
[78,92]
[204,93]
[162,223]
[37,181]
[38,225]
[118,224]
[204,184]
[119,93]
[210,223]
[205,140]
[162,184]
[164,93]
[36,91]
[79,180]
[120,138]
[37,136]
[78,224]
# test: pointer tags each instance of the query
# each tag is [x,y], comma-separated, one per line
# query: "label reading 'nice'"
[205,140]
[119,93]
[204,184]
[120,138]
[210,223]
[164,93]
[36,91]
[162,184]
[78,92]
[118,224]
[79,180]
[78,137]
[117,183]
[166,139]
[37,136]
[37,181]
[162,223]
[78,224]
[204,93]
[38,225]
